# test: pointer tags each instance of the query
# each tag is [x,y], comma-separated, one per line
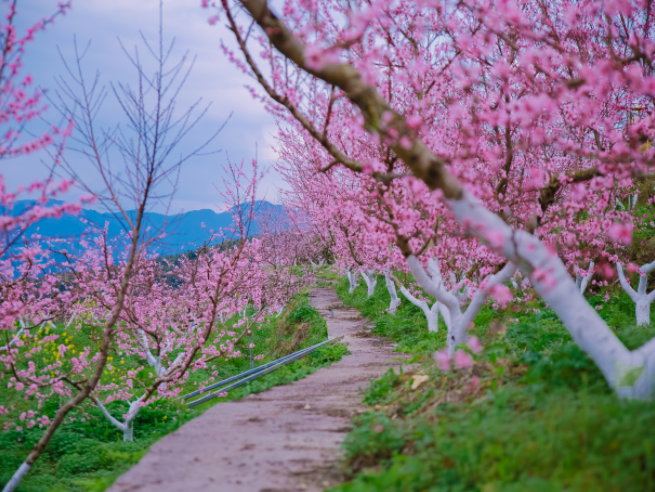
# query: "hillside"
[183,231]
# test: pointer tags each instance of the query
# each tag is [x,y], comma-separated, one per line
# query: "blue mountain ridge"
[183,231]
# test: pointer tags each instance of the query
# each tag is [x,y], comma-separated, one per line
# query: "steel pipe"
[251,374]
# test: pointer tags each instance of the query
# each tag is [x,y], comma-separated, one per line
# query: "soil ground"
[286,439]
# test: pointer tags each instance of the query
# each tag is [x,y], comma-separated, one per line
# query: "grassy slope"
[541,417]
[89,454]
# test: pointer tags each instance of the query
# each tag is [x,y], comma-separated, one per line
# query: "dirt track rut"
[286,439]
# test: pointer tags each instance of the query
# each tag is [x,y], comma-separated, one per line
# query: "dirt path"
[281,440]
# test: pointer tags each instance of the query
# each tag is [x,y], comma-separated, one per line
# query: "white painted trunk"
[643,310]
[17,477]
[391,287]
[433,320]
[581,281]
[431,313]
[127,427]
[128,432]
[72,318]
[352,280]
[13,340]
[631,373]
[456,321]
[371,282]
[447,303]
[641,299]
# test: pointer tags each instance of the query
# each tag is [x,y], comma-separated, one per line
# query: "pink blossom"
[405,142]
[620,233]
[316,57]
[502,294]
[463,359]
[474,384]
[443,359]
[604,270]
[474,344]
[414,122]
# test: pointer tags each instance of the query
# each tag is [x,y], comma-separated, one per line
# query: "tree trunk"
[643,310]
[391,287]
[433,319]
[581,281]
[128,431]
[371,282]
[640,297]
[456,321]
[353,283]
[18,476]
[431,314]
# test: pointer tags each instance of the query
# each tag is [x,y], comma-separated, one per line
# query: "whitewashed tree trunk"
[371,282]
[581,281]
[127,427]
[72,318]
[16,478]
[630,373]
[641,298]
[352,279]
[18,334]
[642,309]
[456,321]
[519,283]
[431,313]
[12,341]
[391,287]
[155,362]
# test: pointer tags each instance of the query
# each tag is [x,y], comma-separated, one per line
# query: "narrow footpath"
[285,439]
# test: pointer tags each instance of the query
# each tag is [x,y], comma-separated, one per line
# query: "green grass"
[87,455]
[534,413]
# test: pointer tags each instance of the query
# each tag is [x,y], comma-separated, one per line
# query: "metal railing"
[251,375]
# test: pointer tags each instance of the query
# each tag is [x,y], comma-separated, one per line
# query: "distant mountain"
[183,231]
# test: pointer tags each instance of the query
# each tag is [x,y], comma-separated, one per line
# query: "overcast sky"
[213,79]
